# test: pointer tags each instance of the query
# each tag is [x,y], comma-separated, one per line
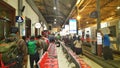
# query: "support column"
[98,13]
[19,12]
[99,47]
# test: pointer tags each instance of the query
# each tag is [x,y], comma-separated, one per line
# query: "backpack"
[32,47]
[22,46]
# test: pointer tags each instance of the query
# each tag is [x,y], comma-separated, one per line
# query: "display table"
[49,58]
[79,63]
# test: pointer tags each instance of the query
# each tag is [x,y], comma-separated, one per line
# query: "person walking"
[78,46]
[107,51]
[40,45]
[58,38]
[22,47]
[32,51]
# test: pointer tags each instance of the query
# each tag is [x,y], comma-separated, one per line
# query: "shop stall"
[49,58]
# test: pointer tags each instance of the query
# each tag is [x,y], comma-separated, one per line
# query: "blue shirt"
[106,40]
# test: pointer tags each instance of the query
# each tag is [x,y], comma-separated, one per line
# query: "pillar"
[99,47]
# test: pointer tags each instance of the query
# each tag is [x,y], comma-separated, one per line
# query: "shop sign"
[72,25]
[19,19]
[99,38]
[37,25]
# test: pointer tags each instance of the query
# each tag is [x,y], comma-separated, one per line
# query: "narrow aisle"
[62,61]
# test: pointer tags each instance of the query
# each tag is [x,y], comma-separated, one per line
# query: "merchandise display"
[49,58]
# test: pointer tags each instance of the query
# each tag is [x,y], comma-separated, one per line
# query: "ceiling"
[55,16]
[65,9]
[108,10]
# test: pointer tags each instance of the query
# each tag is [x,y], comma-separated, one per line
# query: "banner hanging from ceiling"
[72,26]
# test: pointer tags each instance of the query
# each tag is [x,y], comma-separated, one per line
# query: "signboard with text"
[99,38]
[73,26]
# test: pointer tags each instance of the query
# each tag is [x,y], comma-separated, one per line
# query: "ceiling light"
[118,7]
[54,8]
[78,17]
[87,22]
[54,22]
[78,1]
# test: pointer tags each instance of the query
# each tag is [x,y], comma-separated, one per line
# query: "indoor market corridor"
[63,62]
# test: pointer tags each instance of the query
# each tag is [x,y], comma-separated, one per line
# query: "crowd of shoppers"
[36,46]
[74,42]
